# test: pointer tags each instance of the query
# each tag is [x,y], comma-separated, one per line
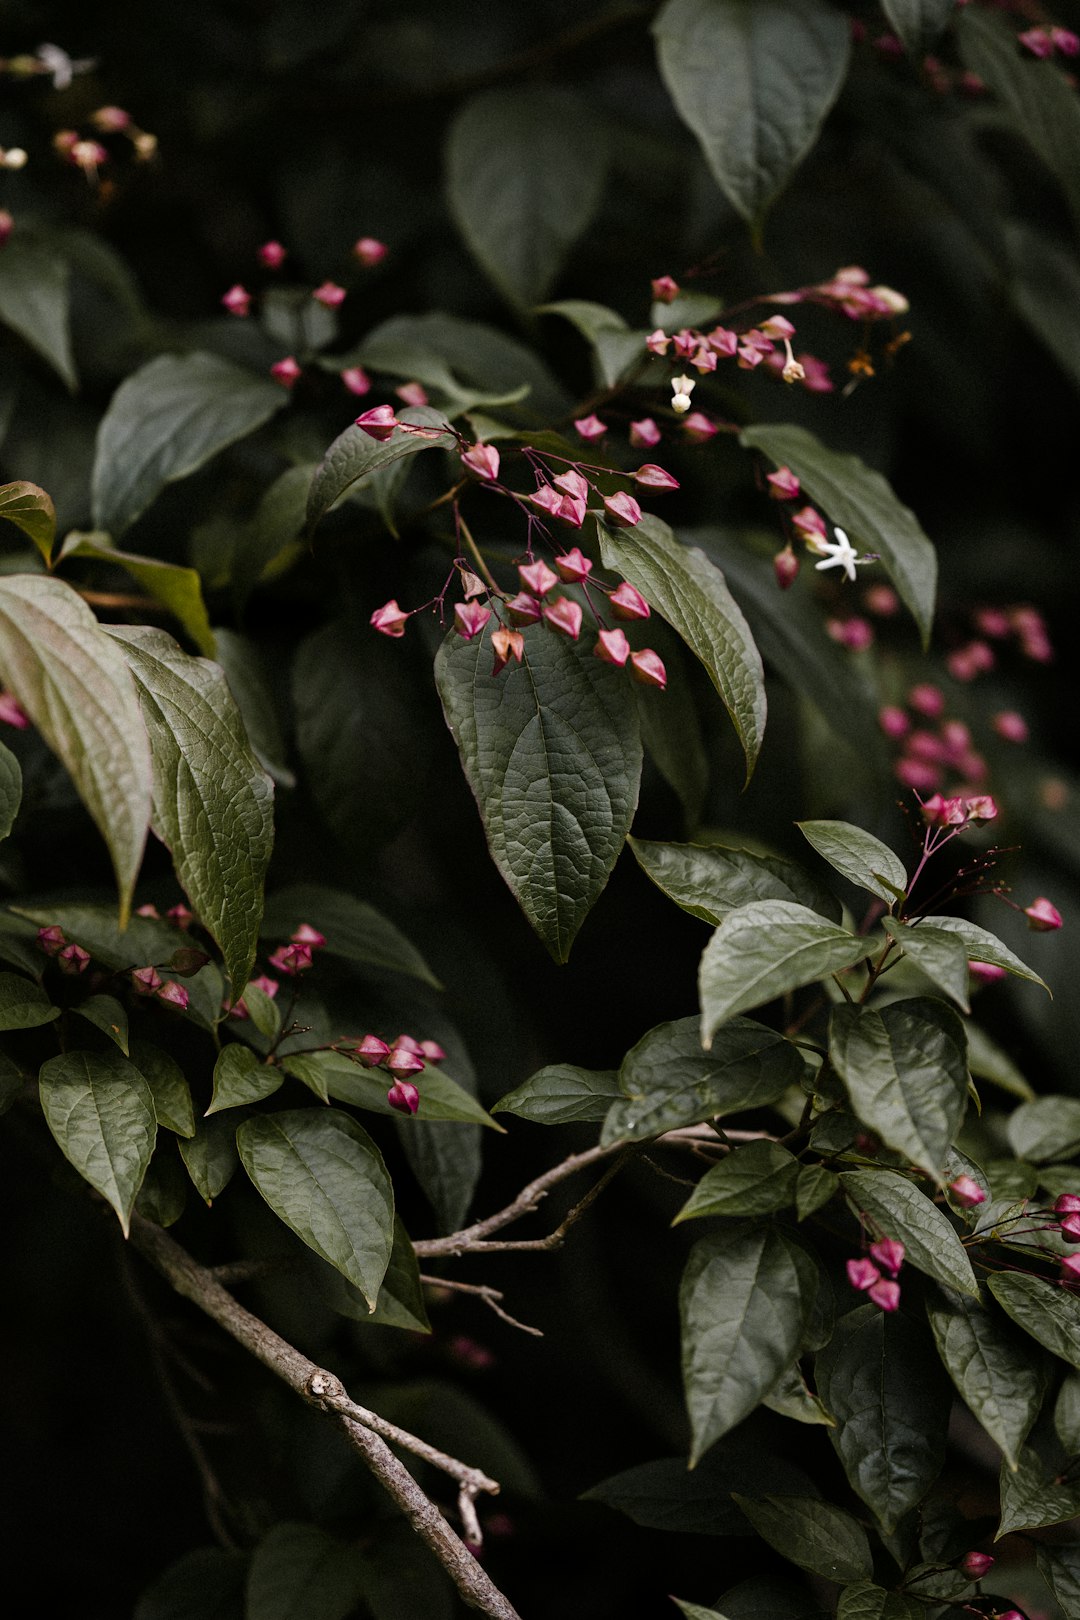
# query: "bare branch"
[490,1297]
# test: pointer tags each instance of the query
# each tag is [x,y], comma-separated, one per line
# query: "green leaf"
[745,1300]
[754,81]
[919,22]
[211,1155]
[983,946]
[1046,1312]
[992,1367]
[32,511]
[276,524]
[35,301]
[401,1295]
[815,1535]
[937,952]
[615,348]
[863,504]
[880,1379]
[249,684]
[168,1087]
[897,1208]
[178,589]
[355,456]
[552,753]
[1035,1495]
[561,1094]
[792,1398]
[10,790]
[692,595]
[905,1071]
[324,1177]
[99,1109]
[668,1081]
[525,168]
[763,950]
[860,857]
[815,1187]
[165,421]
[331,1074]
[299,1572]
[751,1180]
[1045,1129]
[353,929]
[74,684]
[1059,1567]
[240,1078]
[108,1015]
[709,880]
[671,728]
[767,1598]
[207,1584]
[666,1495]
[987,1061]
[212,800]
[262,1010]
[865,1601]
[24,1004]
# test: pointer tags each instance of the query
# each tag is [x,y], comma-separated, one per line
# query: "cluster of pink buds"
[180,915]
[1017,621]
[1043,42]
[931,747]
[849,293]
[297,956]
[808,525]
[939,812]
[402,1057]
[70,958]
[766,344]
[866,1276]
[263,982]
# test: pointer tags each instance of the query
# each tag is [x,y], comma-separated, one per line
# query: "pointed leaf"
[99,1109]
[179,589]
[32,511]
[763,950]
[165,421]
[754,80]
[211,1155]
[983,946]
[815,1535]
[560,1094]
[240,1079]
[863,859]
[1049,1314]
[262,1010]
[331,1074]
[213,803]
[552,753]
[865,1601]
[752,1180]
[666,1495]
[919,22]
[937,952]
[815,1187]
[896,1208]
[1045,1129]
[694,1611]
[35,301]
[355,456]
[709,880]
[615,347]
[863,504]
[24,1004]
[74,684]
[692,595]
[353,929]
[249,683]
[299,1572]
[401,1296]
[1036,1495]
[792,1398]
[108,1015]
[324,1177]
[168,1087]
[10,790]
[992,1367]
[1059,1567]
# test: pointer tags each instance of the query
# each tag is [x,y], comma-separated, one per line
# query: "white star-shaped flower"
[838,553]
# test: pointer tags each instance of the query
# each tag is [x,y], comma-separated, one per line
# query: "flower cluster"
[866,1275]
[73,959]
[401,1057]
[808,525]
[933,750]
[766,344]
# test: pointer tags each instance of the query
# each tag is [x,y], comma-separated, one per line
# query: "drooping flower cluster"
[886,1255]
[402,1057]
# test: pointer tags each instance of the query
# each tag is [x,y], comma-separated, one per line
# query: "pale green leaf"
[860,857]
[919,22]
[32,511]
[709,880]
[99,1109]
[179,589]
[983,946]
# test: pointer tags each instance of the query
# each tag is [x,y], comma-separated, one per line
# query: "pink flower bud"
[777,327]
[783,484]
[698,428]
[808,524]
[356,380]
[1043,917]
[389,620]
[174,995]
[985,972]
[889,1254]
[145,981]
[916,774]
[181,916]
[306,935]
[967,1192]
[7,225]
[1070,1268]
[1066,41]
[547,499]
[329,294]
[993,622]
[722,341]
[378,423]
[1011,726]
[272,255]
[1067,1204]
[862,1274]
[148,911]
[893,722]
[12,712]
[965,663]
[628,603]
[412,393]
[941,812]
[981,808]
[926,746]
[402,1062]
[286,372]
[370,251]
[406,1043]
[926,700]
[470,618]
[266,984]
[537,577]
[703,359]
[647,668]
[291,959]
[432,1052]
[572,483]
[237,300]
[371,1051]
[786,568]
[885,1295]
[73,959]
[664,290]
[1009,1614]
[644,434]
[856,634]
[622,509]
[882,601]
[590,428]
[88,155]
[481,459]
[750,357]
[650,476]
[612,647]
[52,940]
[1070,1228]
[657,342]
[565,616]
[523,608]
[403,1096]
[506,644]
[1038,41]
[976,1564]
[573,566]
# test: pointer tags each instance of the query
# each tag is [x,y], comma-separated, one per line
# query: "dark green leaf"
[752,1180]
[754,80]
[1046,1312]
[1035,1495]
[299,1572]
[815,1535]
[763,950]
[353,929]
[666,1495]
[937,952]
[561,1094]
[983,946]
[709,880]
[99,1109]
[35,299]
[860,857]
[168,1087]
[108,1015]
[240,1078]
[24,1004]
[273,528]
[10,790]
[401,1294]
[865,1601]
[204,1585]
[355,456]
[163,1194]
[766,1598]
[992,1367]
[249,684]
[615,348]
[552,753]
[178,589]
[816,1185]
[1059,1567]
[262,1010]
[919,22]
[334,1075]
[897,1208]
[211,1155]
[32,511]
[792,1398]
[1045,1129]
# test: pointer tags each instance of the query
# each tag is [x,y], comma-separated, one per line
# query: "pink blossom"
[470,618]
[1011,726]
[370,251]
[703,359]
[622,509]
[778,327]
[750,357]
[291,959]
[12,712]
[967,1192]
[981,808]
[862,1274]
[992,622]
[432,1052]
[174,995]
[412,393]
[816,379]
[644,434]
[148,911]
[356,380]
[647,668]
[916,774]
[573,566]
[52,940]
[181,916]
[926,746]
[685,343]
[237,300]
[565,616]
[786,567]
[590,428]
[371,1051]
[658,342]
[1070,1268]
[523,608]
[893,721]
[650,476]
[329,294]
[699,428]
[378,423]
[889,1254]
[406,1043]
[976,1564]
[547,499]
[272,255]
[856,634]
[926,700]
[1067,1204]
[403,1096]
[73,959]
[481,459]
[537,577]
[572,484]
[612,647]
[881,600]
[664,290]
[110,120]
[306,935]
[145,981]
[401,1062]
[506,644]
[783,484]
[885,1295]
[389,619]
[1066,41]
[724,342]
[1039,41]
[1070,1228]
[985,972]
[266,984]
[628,603]
[1043,917]
[965,663]
[808,523]
[941,812]
[286,372]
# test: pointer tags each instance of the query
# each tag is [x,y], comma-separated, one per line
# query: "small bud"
[856,634]
[389,620]
[471,584]
[402,1062]
[1070,1268]
[86,155]
[612,647]
[658,342]
[266,984]
[12,712]
[926,700]
[664,290]
[703,359]
[699,429]
[893,722]
[523,608]
[291,959]
[1043,917]
[272,255]
[286,372]
[73,959]
[590,428]
[482,460]
[306,935]
[572,483]
[786,568]
[647,668]
[1070,1228]
[783,484]
[52,940]
[371,1051]
[470,618]
[145,145]
[370,251]
[1067,1204]
[981,808]
[1010,726]
[967,1192]
[537,577]
[889,1254]
[650,476]
[573,566]
[506,644]
[976,1564]
[181,916]
[148,911]
[777,327]
[237,300]
[862,1274]
[885,1295]
[681,389]
[1038,41]
[412,393]
[917,775]
[432,1052]
[378,423]
[547,499]
[628,603]
[174,995]
[985,972]
[329,295]
[882,601]
[403,1096]
[644,435]
[724,342]
[565,616]
[145,981]
[809,524]
[356,380]
[406,1043]
[622,509]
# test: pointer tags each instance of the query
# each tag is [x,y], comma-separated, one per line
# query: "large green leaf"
[562,1093]
[324,1177]
[179,589]
[552,753]
[240,1079]
[35,300]
[353,929]
[906,1074]
[75,685]
[862,503]
[299,1572]
[815,1535]
[213,803]
[525,169]
[919,22]
[211,1156]
[32,511]
[99,1109]
[355,456]
[992,1367]
[754,80]
[165,421]
[937,952]
[401,1294]
[690,591]
[1046,1129]
[882,1382]
[10,790]
[860,857]
[983,946]
[666,1495]
[763,950]
[897,1208]
[168,1087]
[709,880]
[668,1081]
[753,1180]
[1036,1494]
[745,1300]
[331,1074]
[24,1004]
[1049,1314]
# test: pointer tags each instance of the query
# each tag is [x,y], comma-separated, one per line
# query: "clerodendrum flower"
[838,553]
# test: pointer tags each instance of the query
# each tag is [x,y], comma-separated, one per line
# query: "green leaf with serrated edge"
[24,1004]
[865,1601]
[240,1078]
[324,1177]
[666,1495]
[936,952]
[99,1109]
[525,168]
[882,1382]
[992,1367]
[860,857]
[815,1186]
[32,511]
[763,950]
[863,504]
[207,1584]
[10,790]
[262,1010]
[298,1569]
[177,588]
[211,1155]
[552,753]
[1059,1567]
[919,22]
[983,946]
[213,803]
[1046,1312]
[334,1075]
[792,1398]
[988,1061]
[167,420]
[353,929]
[401,1295]
[561,1093]
[896,1208]
[709,880]
[668,1081]
[108,1015]
[815,1535]
[615,348]
[754,82]
[35,300]
[744,1302]
[1045,1129]
[168,1087]
[75,685]
[1034,1496]
[355,455]
[905,1071]
[691,593]
[751,1180]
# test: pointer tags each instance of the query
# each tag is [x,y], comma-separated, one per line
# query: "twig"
[490,1296]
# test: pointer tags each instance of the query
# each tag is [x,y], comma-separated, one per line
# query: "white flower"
[60,67]
[681,389]
[838,553]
